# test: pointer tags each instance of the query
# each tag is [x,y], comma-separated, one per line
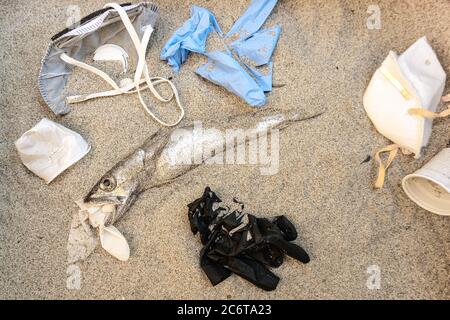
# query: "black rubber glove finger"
[290,249]
[215,272]
[254,272]
[273,256]
[267,255]
[286,227]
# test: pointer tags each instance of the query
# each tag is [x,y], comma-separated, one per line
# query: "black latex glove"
[241,243]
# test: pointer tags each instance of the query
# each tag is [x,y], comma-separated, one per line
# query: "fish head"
[116,191]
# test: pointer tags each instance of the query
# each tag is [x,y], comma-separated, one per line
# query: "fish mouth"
[101,209]
[105,200]
[112,206]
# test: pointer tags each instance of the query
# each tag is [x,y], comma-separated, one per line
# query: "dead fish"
[151,166]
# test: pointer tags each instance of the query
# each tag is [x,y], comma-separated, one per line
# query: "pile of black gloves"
[240,243]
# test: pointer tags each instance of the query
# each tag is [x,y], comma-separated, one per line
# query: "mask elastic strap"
[431,115]
[143,68]
[397,84]
[118,90]
[126,88]
[64,57]
[382,169]
[405,93]
[140,46]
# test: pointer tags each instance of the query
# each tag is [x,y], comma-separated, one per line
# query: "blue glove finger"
[223,70]
[252,20]
[262,75]
[258,49]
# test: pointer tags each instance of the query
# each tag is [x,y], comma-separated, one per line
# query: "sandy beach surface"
[323,62]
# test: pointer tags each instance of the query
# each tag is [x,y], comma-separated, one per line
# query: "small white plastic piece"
[114,243]
[97,219]
[108,208]
[112,52]
[126,82]
[93,210]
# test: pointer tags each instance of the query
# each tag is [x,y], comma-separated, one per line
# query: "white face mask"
[106,27]
[402,99]
[111,239]
[50,148]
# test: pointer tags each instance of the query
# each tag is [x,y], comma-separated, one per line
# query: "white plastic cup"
[429,186]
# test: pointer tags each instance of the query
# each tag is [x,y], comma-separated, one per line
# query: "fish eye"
[108,184]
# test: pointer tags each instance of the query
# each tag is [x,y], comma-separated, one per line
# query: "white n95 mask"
[117,32]
[50,148]
[402,99]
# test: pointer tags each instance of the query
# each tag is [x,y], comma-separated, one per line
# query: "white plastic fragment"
[112,52]
[114,243]
[110,237]
[108,208]
[429,186]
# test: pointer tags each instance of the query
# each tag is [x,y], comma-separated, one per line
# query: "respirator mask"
[117,32]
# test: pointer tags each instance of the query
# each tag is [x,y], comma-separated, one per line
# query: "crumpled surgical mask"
[50,148]
[127,27]
[244,67]
[111,239]
[402,99]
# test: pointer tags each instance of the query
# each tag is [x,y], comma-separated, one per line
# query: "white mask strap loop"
[429,114]
[64,57]
[141,68]
[126,89]
[405,93]
[382,169]
[396,83]
[142,65]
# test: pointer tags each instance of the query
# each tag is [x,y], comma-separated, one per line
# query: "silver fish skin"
[151,165]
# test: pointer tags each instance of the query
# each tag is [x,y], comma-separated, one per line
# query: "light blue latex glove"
[252,20]
[191,36]
[223,70]
[247,73]
[258,48]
